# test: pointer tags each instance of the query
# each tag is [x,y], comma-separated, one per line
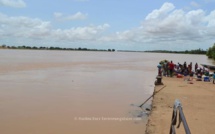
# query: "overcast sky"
[102,24]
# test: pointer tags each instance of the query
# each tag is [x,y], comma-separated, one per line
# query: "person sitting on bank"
[214,78]
[206,73]
[199,77]
[191,76]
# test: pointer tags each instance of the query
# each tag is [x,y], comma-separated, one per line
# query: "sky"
[109,24]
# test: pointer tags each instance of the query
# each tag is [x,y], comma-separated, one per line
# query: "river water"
[64,92]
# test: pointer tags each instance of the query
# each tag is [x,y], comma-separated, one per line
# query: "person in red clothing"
[171,68]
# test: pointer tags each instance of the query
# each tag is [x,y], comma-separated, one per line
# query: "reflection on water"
[77,92]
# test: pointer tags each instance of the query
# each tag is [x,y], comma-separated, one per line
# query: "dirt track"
[197,100]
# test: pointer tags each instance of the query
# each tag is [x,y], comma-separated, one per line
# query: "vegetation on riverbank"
[211,52]
[53,48]
[195,51]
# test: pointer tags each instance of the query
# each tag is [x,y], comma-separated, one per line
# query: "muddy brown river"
[74,92]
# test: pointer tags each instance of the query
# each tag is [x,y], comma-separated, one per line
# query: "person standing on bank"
[196,66]
[185,65]
[171,68]
[159,69]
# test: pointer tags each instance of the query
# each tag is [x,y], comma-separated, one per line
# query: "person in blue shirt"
[214,78]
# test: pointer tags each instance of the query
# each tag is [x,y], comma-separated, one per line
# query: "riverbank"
[4,47]
[198,106]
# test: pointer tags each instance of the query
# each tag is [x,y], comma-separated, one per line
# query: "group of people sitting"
[169,69]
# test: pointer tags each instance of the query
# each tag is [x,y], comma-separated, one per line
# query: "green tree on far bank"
[52,48]
[211,52]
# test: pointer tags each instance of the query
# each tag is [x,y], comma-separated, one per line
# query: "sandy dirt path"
[197,100]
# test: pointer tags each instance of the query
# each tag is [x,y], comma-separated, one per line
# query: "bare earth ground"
[197,100]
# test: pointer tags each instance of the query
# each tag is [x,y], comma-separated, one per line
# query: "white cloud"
[194,4]
[23,26]
[20,26]
[58,14]
[13,3]
[162,12]
[77,16]
[80,33]
[210,19]
[168,25]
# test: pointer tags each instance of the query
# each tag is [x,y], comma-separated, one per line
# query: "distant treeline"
[128,51]
[211,52]
[196,51]
[53,48]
